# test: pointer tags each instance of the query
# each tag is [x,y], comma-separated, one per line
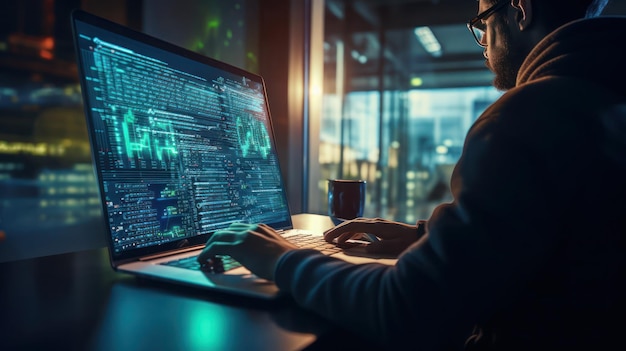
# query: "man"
[531,254]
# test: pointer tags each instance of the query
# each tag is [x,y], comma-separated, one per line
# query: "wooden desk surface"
[76,301]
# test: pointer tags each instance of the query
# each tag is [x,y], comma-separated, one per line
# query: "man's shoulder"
[564,90]
[551,99]
[545,110]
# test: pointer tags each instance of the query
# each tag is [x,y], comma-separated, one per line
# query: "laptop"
[182,146]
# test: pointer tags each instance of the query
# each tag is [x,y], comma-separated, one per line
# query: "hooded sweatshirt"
[531,253]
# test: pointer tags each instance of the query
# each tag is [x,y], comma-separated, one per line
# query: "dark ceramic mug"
[346,199]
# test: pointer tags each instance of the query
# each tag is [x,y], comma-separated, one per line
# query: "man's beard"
[505,73]
[506,62]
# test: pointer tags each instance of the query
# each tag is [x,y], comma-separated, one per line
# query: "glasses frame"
[471,25]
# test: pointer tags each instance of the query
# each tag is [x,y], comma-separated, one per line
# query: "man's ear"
[524,15]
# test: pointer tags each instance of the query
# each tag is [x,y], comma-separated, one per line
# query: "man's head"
[516,26]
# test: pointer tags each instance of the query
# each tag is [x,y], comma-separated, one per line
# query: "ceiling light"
[428,41]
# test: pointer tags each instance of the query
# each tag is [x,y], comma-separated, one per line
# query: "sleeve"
[478,255]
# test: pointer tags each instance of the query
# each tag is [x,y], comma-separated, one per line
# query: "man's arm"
[478,256]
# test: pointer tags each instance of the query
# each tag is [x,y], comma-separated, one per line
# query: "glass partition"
[400,93]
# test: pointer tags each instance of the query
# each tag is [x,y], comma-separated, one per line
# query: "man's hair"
[595,8]
[571,9]
[559,12]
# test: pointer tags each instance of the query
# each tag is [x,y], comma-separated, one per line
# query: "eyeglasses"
[477,27]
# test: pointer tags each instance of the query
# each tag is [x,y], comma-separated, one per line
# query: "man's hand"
[394,237]
[257,247]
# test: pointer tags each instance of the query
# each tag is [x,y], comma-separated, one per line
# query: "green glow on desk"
[207,328]
[137,318]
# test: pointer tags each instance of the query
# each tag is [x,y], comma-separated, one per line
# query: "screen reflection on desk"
[76,301]
[145,318]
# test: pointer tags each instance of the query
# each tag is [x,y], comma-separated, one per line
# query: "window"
[399,97]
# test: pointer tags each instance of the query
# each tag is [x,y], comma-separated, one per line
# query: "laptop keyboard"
[302,239]
[227,263]
[305,240]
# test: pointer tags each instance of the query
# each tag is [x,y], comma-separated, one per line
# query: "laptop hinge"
[170,253]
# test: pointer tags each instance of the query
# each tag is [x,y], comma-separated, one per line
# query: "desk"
[76,301]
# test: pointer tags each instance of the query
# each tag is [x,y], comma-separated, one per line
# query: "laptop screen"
[182,144]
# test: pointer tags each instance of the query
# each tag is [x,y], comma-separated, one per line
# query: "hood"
[590,49]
